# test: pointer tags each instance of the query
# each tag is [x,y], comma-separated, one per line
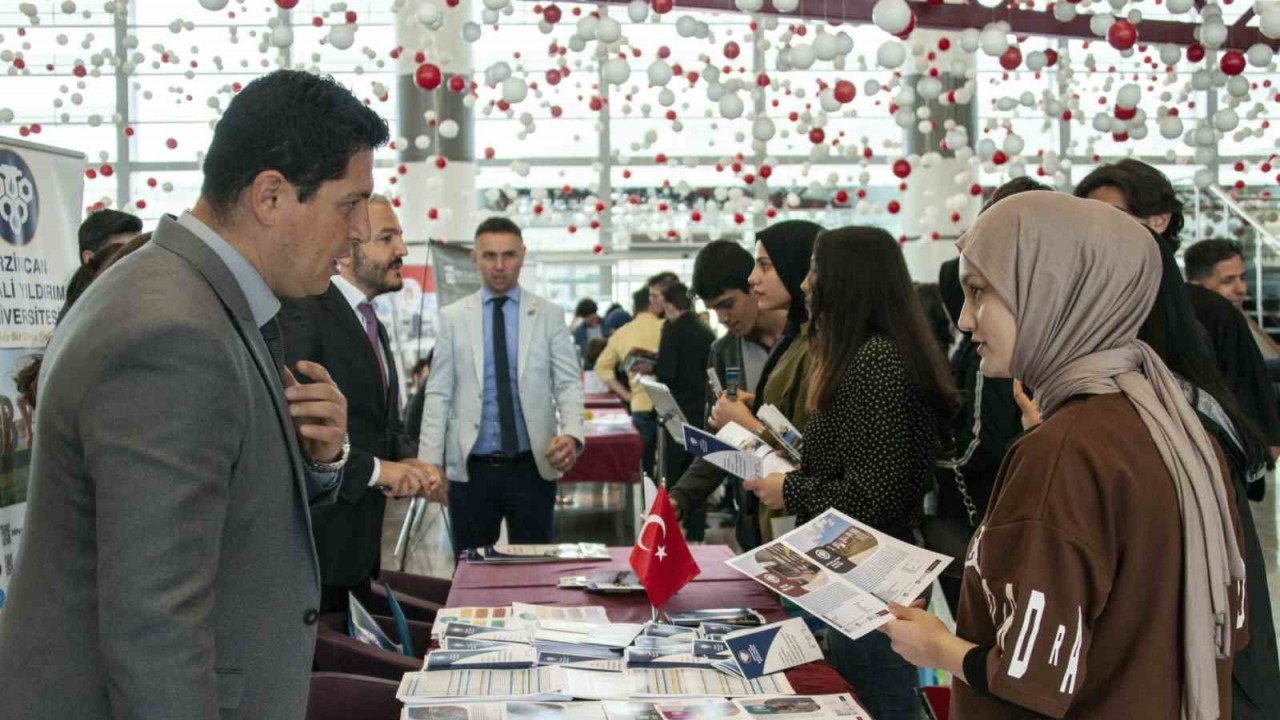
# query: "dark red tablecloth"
[717,586]
[609,457]
[604,401]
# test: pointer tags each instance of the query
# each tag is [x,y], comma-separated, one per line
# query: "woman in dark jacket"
[879,395]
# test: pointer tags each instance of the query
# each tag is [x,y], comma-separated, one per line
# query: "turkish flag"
[661,558]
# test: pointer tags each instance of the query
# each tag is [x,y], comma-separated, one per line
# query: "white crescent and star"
[654,519]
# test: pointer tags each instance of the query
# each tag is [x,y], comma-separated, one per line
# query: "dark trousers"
[513,492]
[887,685]
[646,423]
[335,598]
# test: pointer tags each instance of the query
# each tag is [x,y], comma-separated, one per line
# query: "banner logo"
[19,201]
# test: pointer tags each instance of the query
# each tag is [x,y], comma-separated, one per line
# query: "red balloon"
[1195,53]
[842,197]
[911,26]
[845,91]
[1124,113]
[551,14]
[457,83]
[894,207]
[1232,62]
[428,76]
[901,168]
[553,77]
[731,50]
[999,158]
[286,4]
[1050,57]
[1011,58]
[816,136]
[1122,35]
[662,7]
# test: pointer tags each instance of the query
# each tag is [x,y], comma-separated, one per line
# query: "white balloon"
[844,43]
[281,36]
[871,87]
[715,91]
[1201,80]
[429,14]
[1036,61]
[731,106]
[748,6]
[1178,7]
[929,87]
[1204,136]
[660,73]
[686,26]
[616,71]
[489,17]
[1103,122]
[1064,12]
[827,98]
[422,142]
[586,28]
[825,47]
[608,30]
[496,4]
[1100,23]
[638,11]
[514,90]
[342,36]
[1013,144]
[986,148]
[1213,34]
[904,118]
[1259,55]
[498,72]
[786,6]
[1238,86]
[449,129]
[471,32]
[1226,120]
[1138,132]
[1129,96]
[213,5]
[891,16]
[970,38]
[6,115]
[1204,178]
[666,98]
[802,57]
[993,40]
[891,55]
[1269,24]
[991,4]
[762,129]
[1171,127]
[1205,155]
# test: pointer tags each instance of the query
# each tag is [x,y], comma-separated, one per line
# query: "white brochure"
[803,707]
[525,710]
[843,571]
[689,682]
[423,688]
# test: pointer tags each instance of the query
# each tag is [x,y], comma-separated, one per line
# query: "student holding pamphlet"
[1118,491]
[879,391]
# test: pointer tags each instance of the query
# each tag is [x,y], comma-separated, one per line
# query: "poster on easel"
[41,201]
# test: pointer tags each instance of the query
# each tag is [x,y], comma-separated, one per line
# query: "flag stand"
[660,474]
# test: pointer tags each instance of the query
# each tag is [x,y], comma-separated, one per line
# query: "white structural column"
[935,188]
[451,190]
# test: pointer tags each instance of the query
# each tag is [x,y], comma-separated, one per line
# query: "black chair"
[338,652]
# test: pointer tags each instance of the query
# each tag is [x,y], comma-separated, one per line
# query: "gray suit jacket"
[167,569]
[550,379]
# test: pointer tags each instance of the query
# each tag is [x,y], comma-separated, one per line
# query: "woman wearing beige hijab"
[1106,579]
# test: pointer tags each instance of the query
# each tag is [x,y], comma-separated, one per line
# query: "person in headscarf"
[782,253]
[1115,499]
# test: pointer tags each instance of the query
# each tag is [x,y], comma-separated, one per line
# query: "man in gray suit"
[503,364]
[167,570]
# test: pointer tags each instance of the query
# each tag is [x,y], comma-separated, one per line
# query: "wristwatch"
[336,465]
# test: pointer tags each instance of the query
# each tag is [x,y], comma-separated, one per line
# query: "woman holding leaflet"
[1118,491]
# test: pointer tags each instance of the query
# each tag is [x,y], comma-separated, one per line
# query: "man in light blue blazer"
[504,365]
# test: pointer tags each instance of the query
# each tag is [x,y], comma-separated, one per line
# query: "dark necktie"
[502,376]
[274,339]
[371,332]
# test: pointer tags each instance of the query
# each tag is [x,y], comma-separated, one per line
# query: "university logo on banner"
[41,191]
[19,199]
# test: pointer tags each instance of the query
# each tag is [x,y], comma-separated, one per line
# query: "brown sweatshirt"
[1074,577]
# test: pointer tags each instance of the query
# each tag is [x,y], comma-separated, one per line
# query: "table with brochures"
[478,585]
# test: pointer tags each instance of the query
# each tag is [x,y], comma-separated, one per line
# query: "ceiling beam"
[956,17]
